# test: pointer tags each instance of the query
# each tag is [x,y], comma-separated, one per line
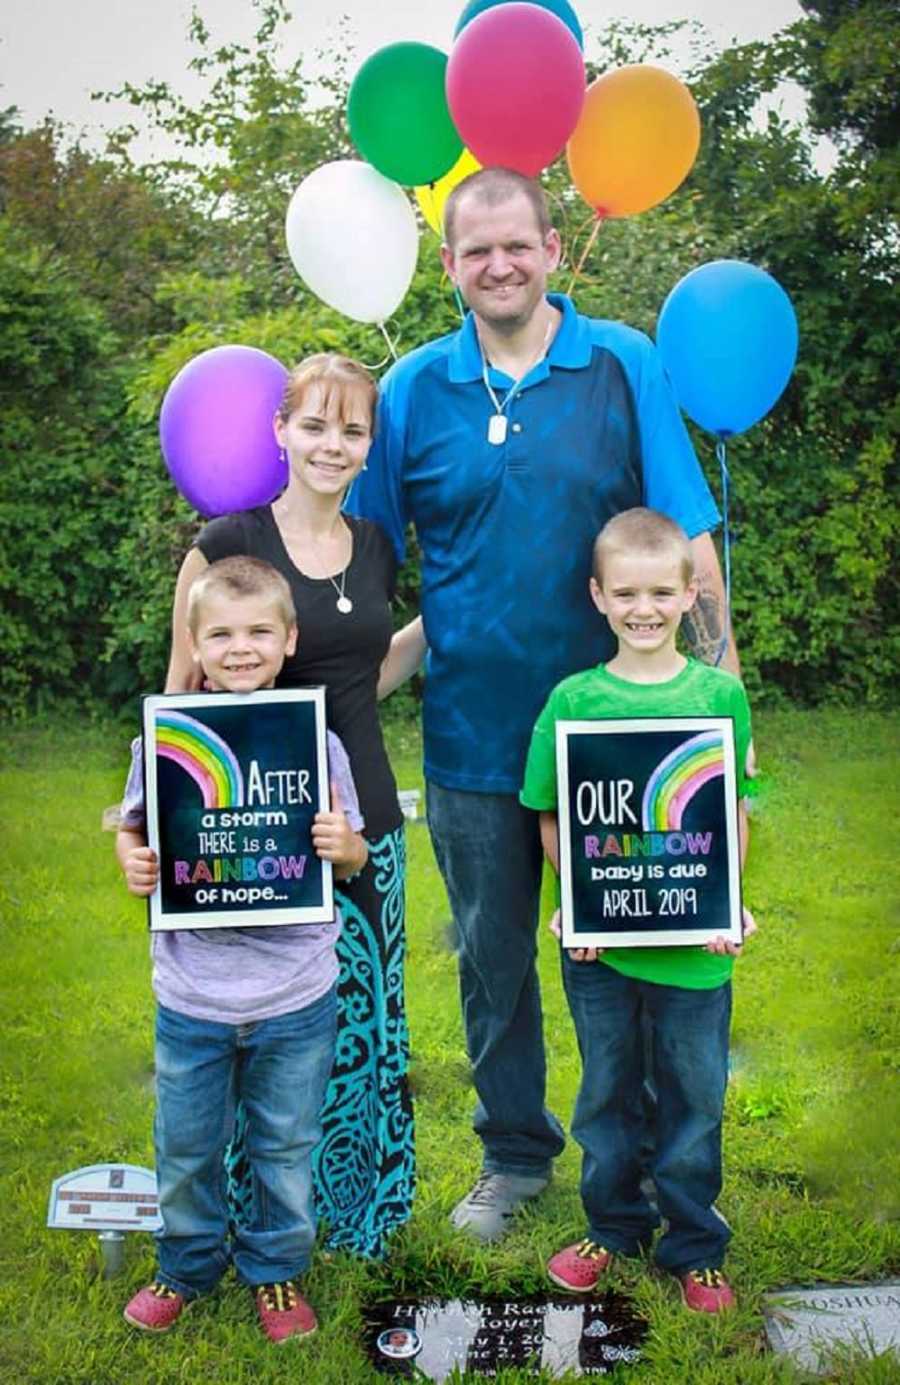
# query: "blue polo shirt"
[506,530]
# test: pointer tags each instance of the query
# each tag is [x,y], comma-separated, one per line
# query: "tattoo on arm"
[704,626]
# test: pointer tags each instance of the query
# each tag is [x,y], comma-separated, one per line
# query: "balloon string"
[391,356]
[460,304]
[726,548]
[598,221]
[390,345]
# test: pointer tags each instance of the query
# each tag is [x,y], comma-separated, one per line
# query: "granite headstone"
[429,1337]
[808,1323]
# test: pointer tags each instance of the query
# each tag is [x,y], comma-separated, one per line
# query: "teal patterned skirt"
[364,1164]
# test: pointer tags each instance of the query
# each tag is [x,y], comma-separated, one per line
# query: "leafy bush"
[65,451]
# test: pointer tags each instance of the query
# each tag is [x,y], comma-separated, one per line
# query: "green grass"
[812,1174]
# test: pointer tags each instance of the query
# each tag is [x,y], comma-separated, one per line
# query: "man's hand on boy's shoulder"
[141,869]
[723,948]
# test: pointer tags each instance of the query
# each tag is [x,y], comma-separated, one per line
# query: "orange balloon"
[636,141]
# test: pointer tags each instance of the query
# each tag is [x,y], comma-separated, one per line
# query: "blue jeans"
[279,1068]
[489,852]
[690,1065]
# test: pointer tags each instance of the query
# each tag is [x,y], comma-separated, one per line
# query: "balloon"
[515,86]
[352,237]
[636,141]
[215,429]
[561,8]
[432,196]
[727,335]
[398,116]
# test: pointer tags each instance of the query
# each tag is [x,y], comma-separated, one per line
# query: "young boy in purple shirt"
[243,1014]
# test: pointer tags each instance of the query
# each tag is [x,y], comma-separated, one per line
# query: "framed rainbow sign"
[233,782]
[649,852]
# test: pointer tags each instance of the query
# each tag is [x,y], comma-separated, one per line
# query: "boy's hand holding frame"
[719,945]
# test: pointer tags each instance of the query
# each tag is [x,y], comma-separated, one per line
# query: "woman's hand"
[408,649]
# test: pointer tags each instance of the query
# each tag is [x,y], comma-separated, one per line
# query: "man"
[509,444]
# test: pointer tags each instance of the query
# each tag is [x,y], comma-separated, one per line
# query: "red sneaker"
[579,1266]
[706,1291]
[155,1308]
[283,1312]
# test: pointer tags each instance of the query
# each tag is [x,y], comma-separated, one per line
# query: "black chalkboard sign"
[648,831]
[233,782]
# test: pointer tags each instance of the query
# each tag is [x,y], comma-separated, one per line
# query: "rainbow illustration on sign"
[203,755]
[678,778]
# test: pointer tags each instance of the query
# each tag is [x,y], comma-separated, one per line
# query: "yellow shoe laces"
[279,1298]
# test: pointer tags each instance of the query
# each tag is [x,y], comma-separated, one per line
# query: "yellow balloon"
[432,196]
[636,140]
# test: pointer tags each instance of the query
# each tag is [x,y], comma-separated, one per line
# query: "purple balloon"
[215,429]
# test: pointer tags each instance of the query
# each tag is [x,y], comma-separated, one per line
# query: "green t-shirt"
[697,691]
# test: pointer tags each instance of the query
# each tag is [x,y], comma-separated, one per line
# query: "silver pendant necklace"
[343,603]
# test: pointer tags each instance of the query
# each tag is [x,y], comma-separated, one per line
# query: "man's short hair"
[240,576]
[642,530]
[492,186]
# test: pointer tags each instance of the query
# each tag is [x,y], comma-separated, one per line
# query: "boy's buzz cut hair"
[642,531]
[241,576]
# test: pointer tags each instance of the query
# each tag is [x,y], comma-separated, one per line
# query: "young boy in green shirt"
[643,583]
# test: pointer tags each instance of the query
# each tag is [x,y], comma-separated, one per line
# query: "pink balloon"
[515,86]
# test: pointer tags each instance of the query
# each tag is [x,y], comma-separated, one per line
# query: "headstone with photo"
[431,1337]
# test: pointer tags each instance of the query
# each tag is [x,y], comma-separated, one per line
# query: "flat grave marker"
[427,1338]
[807,1323]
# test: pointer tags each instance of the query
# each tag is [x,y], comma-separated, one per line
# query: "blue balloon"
[727,335]
[561,8]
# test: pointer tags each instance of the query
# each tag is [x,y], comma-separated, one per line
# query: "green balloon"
[398,114]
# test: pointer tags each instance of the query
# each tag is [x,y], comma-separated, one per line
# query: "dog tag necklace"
[498,423]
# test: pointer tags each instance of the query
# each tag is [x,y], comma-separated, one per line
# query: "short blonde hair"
[336,374]
[493,187]
[642,530]
[240,576]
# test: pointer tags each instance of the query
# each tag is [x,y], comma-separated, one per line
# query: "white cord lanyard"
[498,423]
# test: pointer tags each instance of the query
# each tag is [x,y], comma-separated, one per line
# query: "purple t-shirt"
[242,975]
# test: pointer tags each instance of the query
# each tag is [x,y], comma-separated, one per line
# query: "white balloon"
[352,237]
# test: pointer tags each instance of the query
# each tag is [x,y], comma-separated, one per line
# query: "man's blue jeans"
[279,1069]
[690,1064]
[489,852]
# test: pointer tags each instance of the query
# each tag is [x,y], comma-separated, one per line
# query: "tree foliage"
[62,507]
[113,275]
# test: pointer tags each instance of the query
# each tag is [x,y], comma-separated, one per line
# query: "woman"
[342,572]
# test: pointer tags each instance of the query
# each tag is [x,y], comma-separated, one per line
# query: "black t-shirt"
[343,652]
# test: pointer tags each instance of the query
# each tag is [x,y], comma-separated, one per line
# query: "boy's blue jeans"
[489,852]
[690,1064]
[279,1069]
